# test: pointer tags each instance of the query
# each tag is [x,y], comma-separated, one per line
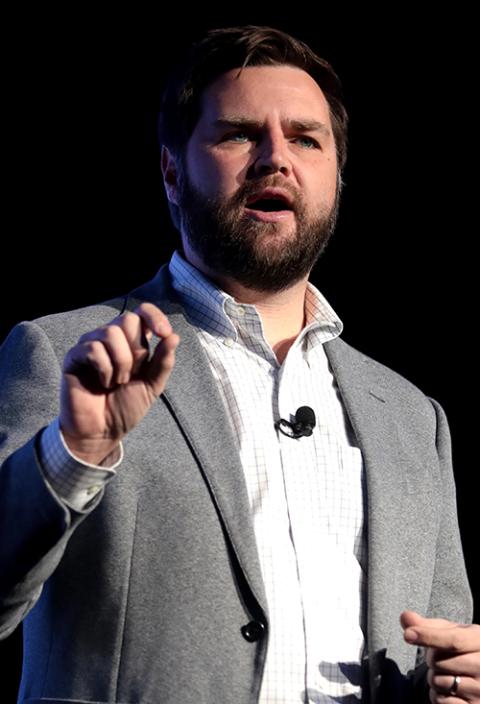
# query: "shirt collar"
[215,311]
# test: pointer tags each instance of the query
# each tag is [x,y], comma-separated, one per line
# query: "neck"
[282,312]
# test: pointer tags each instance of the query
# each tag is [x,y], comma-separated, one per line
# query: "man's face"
[258,188]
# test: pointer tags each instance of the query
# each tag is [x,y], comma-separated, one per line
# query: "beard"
[264,256]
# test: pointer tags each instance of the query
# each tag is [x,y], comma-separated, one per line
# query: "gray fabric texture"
[141,598]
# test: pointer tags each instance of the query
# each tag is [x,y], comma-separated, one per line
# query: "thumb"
[424,631]
[411,618]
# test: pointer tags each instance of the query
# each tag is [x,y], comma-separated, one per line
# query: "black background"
[86,218]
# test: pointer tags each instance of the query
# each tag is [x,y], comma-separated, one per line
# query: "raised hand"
[110,382]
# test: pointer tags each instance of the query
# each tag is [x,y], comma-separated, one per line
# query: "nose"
[273,156]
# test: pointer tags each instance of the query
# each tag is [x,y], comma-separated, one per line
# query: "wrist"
[95,451]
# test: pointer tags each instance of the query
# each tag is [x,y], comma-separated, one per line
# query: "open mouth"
[270,205]
[269,212]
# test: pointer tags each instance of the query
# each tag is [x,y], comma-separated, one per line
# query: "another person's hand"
[453,656]
[109,383]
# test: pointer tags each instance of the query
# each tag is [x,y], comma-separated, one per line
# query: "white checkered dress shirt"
[307,495]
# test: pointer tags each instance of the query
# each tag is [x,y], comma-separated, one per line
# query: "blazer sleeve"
[450,595]
[34,525]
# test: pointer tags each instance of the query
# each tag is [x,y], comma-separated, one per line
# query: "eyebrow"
[299,125]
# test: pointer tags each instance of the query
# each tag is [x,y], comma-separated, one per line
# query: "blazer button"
[253,631]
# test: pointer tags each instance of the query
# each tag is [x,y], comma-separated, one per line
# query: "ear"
[170,174]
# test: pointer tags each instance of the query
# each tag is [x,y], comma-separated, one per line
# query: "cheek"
[217,172]
[218,176]
[198,170]
[322,190]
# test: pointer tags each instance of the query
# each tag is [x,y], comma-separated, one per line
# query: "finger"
[436,698]
[118,348]
[162,363]
[88,357]
[467,688]
[467,664]
[145,320]
[412,618]
[140,324]
[154,319]
[457,638]
[138,336]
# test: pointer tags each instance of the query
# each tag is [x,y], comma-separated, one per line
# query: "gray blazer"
[144,597]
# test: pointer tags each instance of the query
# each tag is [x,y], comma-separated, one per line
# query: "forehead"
[261,91]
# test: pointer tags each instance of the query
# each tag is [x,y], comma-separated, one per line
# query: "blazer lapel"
[193,398]
[368,405]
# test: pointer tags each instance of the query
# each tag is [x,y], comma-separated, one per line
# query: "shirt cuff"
[75,482]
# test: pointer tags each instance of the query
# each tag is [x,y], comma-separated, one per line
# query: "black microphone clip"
[302,426]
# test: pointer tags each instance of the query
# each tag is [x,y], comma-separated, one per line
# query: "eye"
[237,137]
[309,142]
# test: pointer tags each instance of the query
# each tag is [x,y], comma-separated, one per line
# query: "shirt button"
[240,311]
[229,342]
[93,489]
[253,631]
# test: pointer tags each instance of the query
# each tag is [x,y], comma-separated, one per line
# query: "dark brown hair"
[236,47]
